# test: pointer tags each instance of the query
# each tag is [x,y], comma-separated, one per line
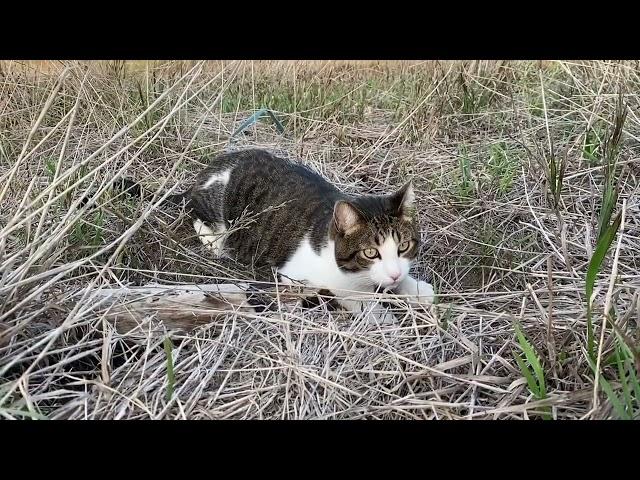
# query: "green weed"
[531,368]
[624,395]
[607,230]
[592,148]
[556,170]
[594,267]
[89,233]
[465,183]
[502,167]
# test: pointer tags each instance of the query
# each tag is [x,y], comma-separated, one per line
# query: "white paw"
[379,317]
[385,318]
[211,239]
[211,244]
[424,294]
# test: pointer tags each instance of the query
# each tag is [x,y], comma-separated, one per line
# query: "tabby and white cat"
[306,228]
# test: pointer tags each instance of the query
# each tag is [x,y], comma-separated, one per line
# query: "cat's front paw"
[386,318]
[423,294]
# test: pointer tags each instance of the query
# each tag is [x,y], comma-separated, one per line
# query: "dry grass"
[506,240]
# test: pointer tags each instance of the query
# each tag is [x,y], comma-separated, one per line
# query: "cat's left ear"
[404,201]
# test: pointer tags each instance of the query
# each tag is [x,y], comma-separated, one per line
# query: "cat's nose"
[394,276]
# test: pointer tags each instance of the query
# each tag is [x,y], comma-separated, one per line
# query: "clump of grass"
[607,229]
[474,97]
[592,148]
[502,166]
[465,180]
[626,403]
[555,177]
[51,168]
[531,368]
[496,172]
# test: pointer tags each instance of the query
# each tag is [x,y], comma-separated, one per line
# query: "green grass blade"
[606,387]
[609,200]
[622,375]
[168,347]
[594,267]
[560,180]
[609,360]
[635,384]
[533,360]
[553,180]
[613,398]
[531,381]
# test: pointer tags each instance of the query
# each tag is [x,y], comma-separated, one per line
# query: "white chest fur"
[321,270]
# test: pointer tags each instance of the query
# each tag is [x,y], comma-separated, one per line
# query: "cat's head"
[376,237]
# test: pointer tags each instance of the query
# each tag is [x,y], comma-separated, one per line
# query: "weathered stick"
[186,307]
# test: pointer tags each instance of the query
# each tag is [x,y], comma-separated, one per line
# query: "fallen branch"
[186,307]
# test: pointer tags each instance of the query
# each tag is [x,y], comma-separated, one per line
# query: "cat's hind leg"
[212,238]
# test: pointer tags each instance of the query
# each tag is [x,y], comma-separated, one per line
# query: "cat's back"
[261,179]
[261,166]
[287,200]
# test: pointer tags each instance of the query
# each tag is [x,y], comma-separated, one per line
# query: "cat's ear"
[404,200]
[346,217]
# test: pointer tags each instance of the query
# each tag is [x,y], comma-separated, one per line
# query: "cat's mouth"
[388,286]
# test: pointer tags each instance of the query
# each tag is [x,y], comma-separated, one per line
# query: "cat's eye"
[404,246]
[370,252]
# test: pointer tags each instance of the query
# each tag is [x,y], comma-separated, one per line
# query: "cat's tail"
[134,189]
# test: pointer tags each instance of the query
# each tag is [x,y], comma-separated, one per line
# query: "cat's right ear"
[345,217]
